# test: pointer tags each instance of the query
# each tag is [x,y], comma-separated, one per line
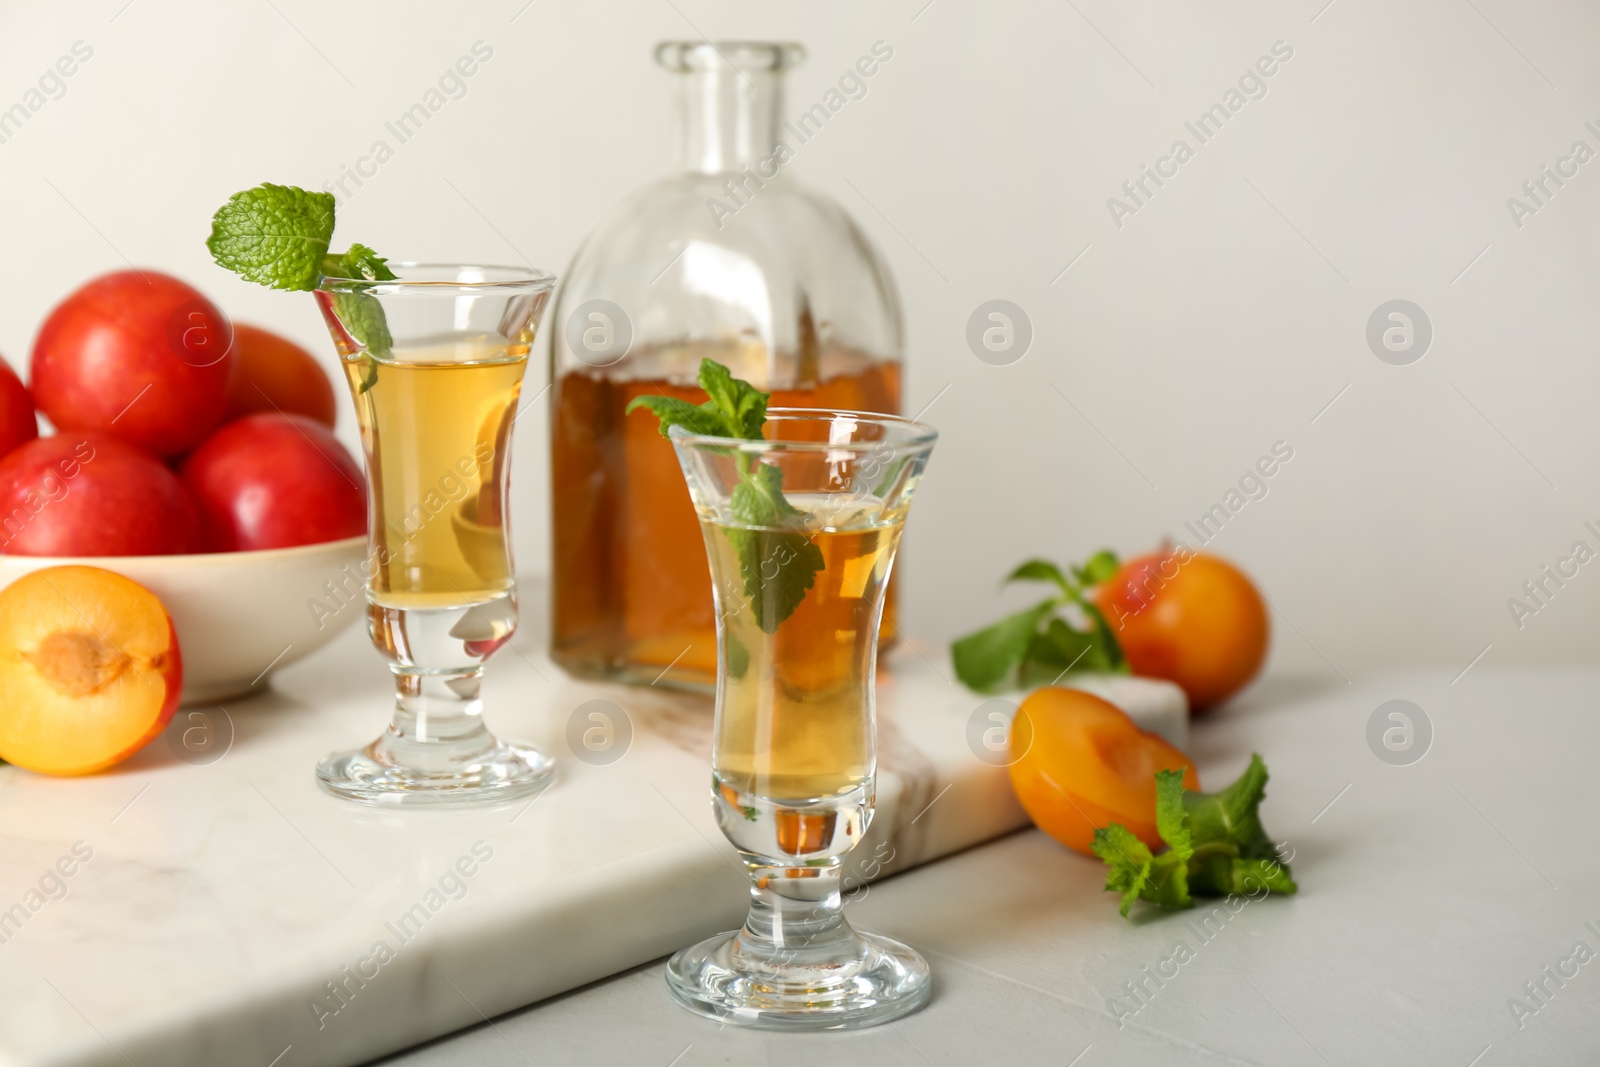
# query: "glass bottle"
[727,259]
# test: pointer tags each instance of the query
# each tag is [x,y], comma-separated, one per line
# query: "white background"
[1222,317]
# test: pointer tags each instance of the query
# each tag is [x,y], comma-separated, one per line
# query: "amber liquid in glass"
[631,594]
[438,483]
[795,721]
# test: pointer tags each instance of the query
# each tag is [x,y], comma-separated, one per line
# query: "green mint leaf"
[1052,645]
[1057,651]
[274,235]
[1231,817]
[987,657]
[1249,876]
[778,570]
[738,657]
[1137,875]
[758,499]
[1168,884]
[1040,570]
[696,418]
[363,319]
[777,567]
[363,262]
[1220,874]
[1165,879]
[362,315]
[1128,862]
[740,403]
[1110,653]
[278,235]
[1233,853]
[1216,846]
[1171,818]
[1101,568]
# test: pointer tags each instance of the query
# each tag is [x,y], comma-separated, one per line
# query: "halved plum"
[90,670]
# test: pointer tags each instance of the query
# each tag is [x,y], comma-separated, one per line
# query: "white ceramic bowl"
[239,615]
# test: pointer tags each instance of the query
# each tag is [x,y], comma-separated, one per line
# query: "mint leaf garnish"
[363,262]
[777,567]
[1038,645]
[1215,846]
[278,236]
[672,411]
[741,404]
[274,235]
[363,319]
[738,657]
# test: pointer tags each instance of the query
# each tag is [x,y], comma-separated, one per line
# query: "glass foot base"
[881,981]
[504,771]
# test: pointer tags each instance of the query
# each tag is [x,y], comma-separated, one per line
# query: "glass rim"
[917,435]
[688,57]
[513,280]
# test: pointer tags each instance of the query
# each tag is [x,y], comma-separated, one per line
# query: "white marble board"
[175,913]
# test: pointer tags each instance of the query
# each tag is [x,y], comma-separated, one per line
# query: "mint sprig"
[1216,846]
[1037,645]
[278,236]
[274,235]
[777,566]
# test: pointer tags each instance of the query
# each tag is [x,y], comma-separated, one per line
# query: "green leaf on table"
[274,235]
[1168,883]
[1039,570]
[986,658]
[1101,568]
[1172,818]
[1221,874]
[1110,649]
[1057,651]
[1232,816]
[1250,875]
[1127,861]
[1051,645]
[1215,846]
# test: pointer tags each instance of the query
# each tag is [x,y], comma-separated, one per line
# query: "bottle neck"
[726,119]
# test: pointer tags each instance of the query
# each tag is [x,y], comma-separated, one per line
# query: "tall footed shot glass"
[801,530]
[434,360]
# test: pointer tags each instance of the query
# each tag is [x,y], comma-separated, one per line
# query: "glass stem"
[438,719]
[795,913]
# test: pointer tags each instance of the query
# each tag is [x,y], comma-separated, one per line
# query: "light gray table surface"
[1434,896]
